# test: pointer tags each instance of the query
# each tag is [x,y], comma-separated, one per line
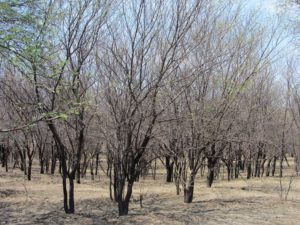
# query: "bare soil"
[254,201]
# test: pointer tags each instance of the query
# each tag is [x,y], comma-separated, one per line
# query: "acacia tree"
[133,66]
[56,70]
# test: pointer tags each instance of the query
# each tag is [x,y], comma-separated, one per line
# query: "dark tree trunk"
[268,167]
[237,169]
[210,176]
[6,166]
[228,171]
[53,159]
[262,167]
[189,190]
[29,169]
[3,153]
[281,166]
[42,166]
[211,163]
[169,168]
[78,173]
[59,169]
[41,160]
[123,208]
[53,165]
[97,164]
[123,204]
[188,194]
[274,166]
[71,195]
[69,205]
[249,169]
[92,169]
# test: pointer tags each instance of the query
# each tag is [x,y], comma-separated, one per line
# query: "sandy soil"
[255,201]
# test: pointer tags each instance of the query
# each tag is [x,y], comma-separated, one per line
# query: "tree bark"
[211,163]
[274,166]
[189,190]
[123,204]
[169,168]
[268,168]
[249,169]
[42,166]
[97,164]
[29,169]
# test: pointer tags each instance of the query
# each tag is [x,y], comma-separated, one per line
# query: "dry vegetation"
[254,201]
[203,94]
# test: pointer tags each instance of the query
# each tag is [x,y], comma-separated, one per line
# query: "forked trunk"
[123,208]
[69,205]
[123,203]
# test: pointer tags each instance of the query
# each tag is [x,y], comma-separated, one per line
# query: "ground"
[255,201]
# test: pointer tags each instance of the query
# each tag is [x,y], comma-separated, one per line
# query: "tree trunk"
[274,166]
[154,170]
[268,168]
[262,167]
[237,170]
[189,190]
[69,205]
[111,185]
[123,204]
[71,196]
[97,164]
[211,171]
[3,151]
[281,166]
[92,169]
[78,173]
[29,168]
[123,207]
[228,171]
[211,163]
[59,169]
[53,159]
[177,187]
[42,166]
[169,168]
[210,176]
[53,165]
[6,163]
[249,169]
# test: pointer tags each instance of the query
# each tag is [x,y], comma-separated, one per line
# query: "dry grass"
[255,201]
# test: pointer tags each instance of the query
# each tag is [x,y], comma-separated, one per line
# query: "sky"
[288,13]
[267,6]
